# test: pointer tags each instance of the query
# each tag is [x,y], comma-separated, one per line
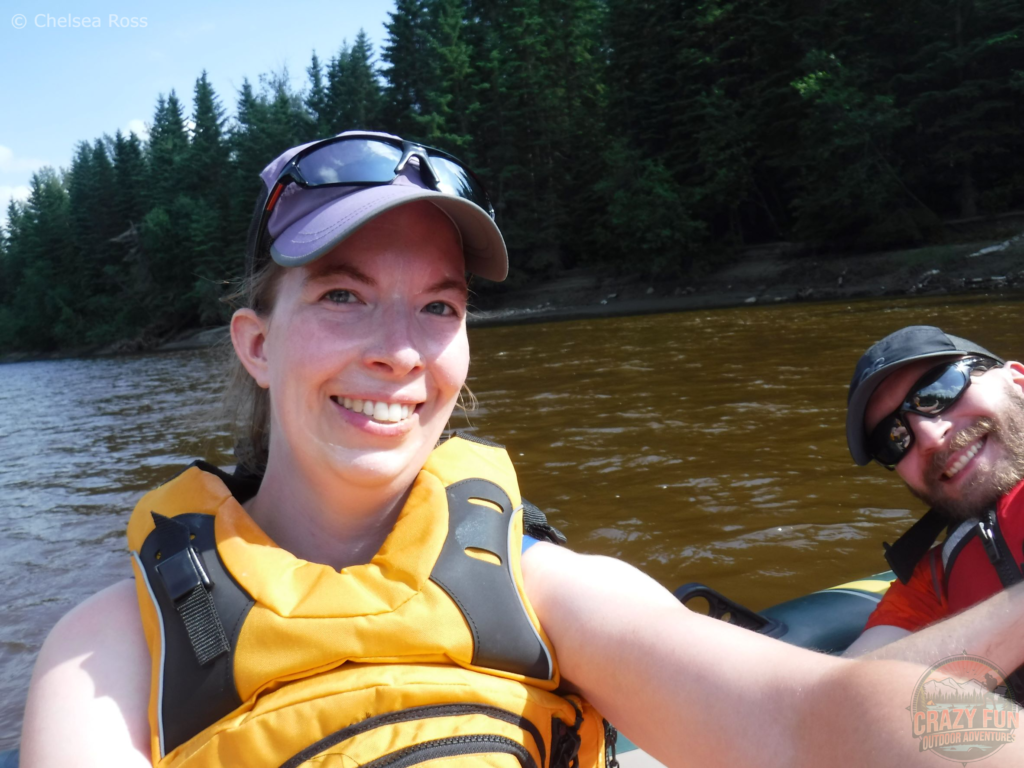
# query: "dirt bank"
[768,275]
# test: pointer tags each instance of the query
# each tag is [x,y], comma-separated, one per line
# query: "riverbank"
[771,274]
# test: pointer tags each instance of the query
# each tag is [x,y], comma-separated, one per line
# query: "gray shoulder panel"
[504,638]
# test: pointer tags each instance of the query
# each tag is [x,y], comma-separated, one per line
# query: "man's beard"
[985,488]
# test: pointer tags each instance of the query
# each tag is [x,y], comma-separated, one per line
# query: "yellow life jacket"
[429,652]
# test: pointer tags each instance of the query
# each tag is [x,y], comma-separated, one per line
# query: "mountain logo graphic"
[964,709]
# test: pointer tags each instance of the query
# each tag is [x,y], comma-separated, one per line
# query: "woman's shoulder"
[91,685]
[110,616]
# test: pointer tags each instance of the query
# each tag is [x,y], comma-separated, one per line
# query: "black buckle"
[182,572]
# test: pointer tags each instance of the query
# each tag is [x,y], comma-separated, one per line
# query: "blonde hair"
[246,402]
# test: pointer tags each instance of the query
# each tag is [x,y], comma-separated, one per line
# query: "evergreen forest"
[657,135]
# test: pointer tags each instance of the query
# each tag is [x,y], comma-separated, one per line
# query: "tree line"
[652,134]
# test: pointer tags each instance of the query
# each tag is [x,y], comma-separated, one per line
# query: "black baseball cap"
[905,346]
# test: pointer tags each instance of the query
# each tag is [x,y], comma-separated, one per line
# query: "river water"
[700,446]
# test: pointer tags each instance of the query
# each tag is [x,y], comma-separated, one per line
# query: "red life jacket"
[981,557]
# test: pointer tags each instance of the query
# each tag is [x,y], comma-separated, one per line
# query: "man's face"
[966,457]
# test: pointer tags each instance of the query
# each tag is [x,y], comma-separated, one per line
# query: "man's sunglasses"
[936,391]
[353,160]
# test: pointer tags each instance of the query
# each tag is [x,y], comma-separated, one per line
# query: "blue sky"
[62,85]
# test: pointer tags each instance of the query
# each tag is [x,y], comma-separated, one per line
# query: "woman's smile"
[377,410]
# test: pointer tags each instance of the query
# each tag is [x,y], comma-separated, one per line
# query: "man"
[948,416]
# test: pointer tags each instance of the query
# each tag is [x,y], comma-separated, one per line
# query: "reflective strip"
[954,538]
[526,613]
[163,647]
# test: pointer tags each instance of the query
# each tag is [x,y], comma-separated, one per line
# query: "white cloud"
[6,194]
[139,128]
[9,163]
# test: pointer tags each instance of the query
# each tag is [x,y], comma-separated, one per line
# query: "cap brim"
[856,435]
[318,232]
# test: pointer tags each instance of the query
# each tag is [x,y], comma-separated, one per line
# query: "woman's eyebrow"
[319,273]
[449,284]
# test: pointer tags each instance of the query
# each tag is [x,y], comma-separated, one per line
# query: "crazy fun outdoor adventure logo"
[964,709]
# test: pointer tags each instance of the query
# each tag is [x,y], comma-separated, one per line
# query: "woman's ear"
[249,338]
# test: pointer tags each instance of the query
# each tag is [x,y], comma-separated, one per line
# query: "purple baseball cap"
[305,224]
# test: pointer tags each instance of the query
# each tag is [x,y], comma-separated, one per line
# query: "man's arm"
[873,638]
[695,691]
[981,630]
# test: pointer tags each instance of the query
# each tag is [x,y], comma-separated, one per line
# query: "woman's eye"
[340,296]
[439,308]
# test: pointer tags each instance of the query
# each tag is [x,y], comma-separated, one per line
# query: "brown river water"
[700,446]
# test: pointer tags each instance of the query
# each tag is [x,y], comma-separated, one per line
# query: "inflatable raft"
[826,621]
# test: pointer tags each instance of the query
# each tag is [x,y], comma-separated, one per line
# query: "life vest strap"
[998,551]
[904,555]
[188,586]
[535,524]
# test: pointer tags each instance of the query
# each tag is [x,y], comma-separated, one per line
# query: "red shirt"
[919,602]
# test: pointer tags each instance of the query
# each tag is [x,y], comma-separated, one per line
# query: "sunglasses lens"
[365,161]
[456,180]
[934,397]
[890,441]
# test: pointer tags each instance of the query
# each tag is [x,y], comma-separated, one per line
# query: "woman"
[366,601]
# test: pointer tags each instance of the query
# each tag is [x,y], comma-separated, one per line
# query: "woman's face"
[366,350]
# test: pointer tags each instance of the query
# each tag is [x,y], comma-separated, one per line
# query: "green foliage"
[646,220]
[650,134]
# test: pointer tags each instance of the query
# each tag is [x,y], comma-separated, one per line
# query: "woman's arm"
[696,691]
[89,696]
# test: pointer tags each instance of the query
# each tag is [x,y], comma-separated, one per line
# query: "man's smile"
[962,458]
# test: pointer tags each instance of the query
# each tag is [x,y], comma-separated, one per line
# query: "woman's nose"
[394,350]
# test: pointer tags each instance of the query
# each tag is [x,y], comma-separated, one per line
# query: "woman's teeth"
[962,461]
[379,411]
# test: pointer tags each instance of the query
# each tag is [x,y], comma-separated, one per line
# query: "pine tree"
[45,304]
[447,98]
[207,159]
[130,179]
[317,99]
[406,62]
[353,92]
[209,173]
[167,151]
